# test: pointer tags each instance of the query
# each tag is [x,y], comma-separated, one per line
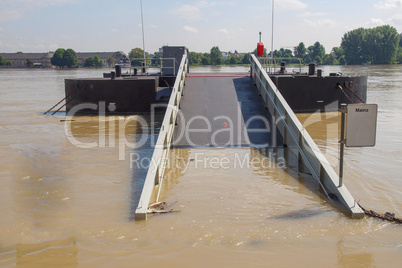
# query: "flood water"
[63,205]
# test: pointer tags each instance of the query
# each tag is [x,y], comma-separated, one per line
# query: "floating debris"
[160,207]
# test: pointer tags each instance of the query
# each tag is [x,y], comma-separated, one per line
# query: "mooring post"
[342,143]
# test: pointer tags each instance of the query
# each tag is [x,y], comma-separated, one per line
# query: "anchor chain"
[351,90]
[354,93]
[388,216]
[343,91]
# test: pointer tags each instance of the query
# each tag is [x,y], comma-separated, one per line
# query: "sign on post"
[361,125]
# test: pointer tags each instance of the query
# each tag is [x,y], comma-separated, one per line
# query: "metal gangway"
[294,136]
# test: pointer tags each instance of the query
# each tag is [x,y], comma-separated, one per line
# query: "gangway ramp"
[222,111]
[234,110]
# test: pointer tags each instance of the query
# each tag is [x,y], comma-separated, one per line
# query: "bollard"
[118,70]
[311,69]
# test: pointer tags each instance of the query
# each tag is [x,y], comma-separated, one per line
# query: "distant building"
[42,60]
[19,60]
[119,57]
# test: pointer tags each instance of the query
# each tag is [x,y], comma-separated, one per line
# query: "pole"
[143,36]
[342,143]
[272,37]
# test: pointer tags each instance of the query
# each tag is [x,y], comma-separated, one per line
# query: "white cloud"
[190,29]
[193,12]
[223,31]
[388,4]
[188,12]
[290,4]
[153,26]
[1,30]
[375,22]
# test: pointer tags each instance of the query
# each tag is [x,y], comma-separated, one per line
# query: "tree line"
[68,58]
[379,45]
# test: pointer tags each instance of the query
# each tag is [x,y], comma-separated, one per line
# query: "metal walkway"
[222,111]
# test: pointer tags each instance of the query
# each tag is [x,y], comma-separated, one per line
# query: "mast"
[272,37]
[142,24]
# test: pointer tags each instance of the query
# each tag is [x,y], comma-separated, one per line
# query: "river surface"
[63,205]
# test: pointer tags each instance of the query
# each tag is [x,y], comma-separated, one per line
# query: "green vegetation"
[111,61]
[137,53]
[4,62]
[64,58]
[379,45]
[93,62]
[29,63]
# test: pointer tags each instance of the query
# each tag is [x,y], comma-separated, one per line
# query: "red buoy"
[260,49]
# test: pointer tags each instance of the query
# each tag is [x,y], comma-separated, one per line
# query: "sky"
[100,25]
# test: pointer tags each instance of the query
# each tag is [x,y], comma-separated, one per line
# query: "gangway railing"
[269,64]
[159,158]
[156,63]
[298,140]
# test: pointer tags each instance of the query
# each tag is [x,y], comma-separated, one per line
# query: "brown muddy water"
[63,205]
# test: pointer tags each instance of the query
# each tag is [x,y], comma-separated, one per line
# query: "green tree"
[384,42]
[70,58]
[89,62]
[206,59]
[300,51]
[316,50]
[378,45]
[318,60]
[111,61]
[137,53]
[98,62]
[232,60]
[29,63]
[4,62]
[352,44]
[194,58]
[342,60]
[57,59]
[330,59]
[338,52]
[216,56]
[246,59]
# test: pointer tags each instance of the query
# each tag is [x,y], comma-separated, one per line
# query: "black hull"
[312,93]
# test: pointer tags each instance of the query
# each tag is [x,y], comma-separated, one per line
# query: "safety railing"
[156,63]
[299,142]
[269,64]
[159,158]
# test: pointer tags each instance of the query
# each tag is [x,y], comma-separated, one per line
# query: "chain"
[354,93]
[339,86]
[387,216]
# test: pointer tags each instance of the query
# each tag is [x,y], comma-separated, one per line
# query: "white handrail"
[158,163]
[297,139]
